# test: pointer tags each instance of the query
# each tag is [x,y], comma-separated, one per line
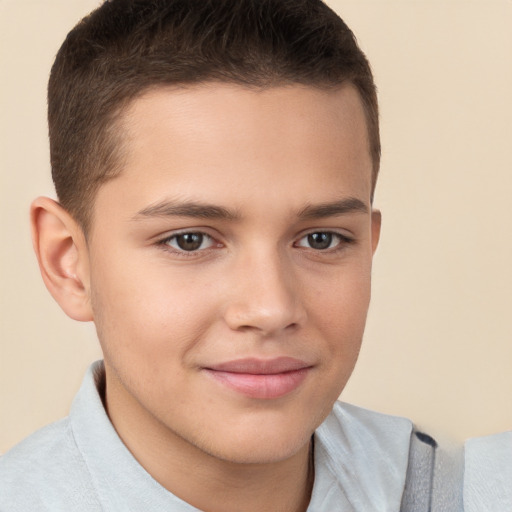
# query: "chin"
[261,445]
[263,455]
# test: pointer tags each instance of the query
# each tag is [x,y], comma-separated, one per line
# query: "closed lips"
[261,379]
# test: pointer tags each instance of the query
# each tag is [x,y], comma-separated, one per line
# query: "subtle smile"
[263,379]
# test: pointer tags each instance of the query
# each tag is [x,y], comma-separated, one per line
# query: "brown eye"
[189,242]
[323,240]
[320,241]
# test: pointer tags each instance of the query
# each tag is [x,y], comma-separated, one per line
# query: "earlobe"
[61,252]
[376,226]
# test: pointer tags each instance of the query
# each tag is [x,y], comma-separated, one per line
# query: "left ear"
[376,224]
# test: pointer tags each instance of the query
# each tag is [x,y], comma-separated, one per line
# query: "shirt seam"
[84,463]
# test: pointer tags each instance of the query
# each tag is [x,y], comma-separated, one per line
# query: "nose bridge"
[264,293]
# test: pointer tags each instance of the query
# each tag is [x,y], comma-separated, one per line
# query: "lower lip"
[261,386]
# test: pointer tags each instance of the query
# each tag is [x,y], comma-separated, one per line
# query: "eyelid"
[167,235]
[343,239]
[164,242]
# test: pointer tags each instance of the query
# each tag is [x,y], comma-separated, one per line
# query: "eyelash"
[165,244]
[342,242]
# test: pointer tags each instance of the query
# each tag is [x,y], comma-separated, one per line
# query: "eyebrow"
[342,207]
[209,211]
[187,209]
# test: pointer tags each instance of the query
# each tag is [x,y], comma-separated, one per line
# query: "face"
[230,265]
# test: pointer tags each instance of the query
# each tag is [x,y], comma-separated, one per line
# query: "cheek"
[342,305]
[145,314]
[340,316]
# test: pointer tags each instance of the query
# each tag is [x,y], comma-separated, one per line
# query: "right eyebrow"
[187,209]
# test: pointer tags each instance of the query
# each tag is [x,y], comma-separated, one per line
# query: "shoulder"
[45,472]
[488,473]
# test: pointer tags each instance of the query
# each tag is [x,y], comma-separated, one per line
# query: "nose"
[264,296]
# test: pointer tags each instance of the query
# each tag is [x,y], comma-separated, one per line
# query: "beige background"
[438,347]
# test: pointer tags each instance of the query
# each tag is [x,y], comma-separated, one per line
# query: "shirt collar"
[361,460]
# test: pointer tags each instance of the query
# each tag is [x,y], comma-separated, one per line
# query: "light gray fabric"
[417,495]
[488,474]
[361,461]
[79,464]
[434,477]
[448,475]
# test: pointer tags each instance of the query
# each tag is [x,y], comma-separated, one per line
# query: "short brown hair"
[125,47]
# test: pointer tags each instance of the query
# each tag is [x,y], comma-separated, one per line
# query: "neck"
[221,486]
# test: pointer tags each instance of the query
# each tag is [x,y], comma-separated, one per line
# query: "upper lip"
[257,366]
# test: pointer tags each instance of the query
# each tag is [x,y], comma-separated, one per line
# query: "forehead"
[211,140]
[199,112]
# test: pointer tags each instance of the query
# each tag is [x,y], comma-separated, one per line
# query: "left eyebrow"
[343,207]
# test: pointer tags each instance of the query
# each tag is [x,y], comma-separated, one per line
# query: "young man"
[215,163]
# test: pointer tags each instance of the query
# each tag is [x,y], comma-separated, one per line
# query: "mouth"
[261,379]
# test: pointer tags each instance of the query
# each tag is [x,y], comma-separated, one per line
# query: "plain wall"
[438,346]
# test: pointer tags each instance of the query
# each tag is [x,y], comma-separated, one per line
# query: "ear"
[61,251]
[376,225]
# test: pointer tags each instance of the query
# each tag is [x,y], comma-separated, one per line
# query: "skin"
[266,163]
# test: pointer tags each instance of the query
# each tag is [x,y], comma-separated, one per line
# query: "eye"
[322,240]
[189,242]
